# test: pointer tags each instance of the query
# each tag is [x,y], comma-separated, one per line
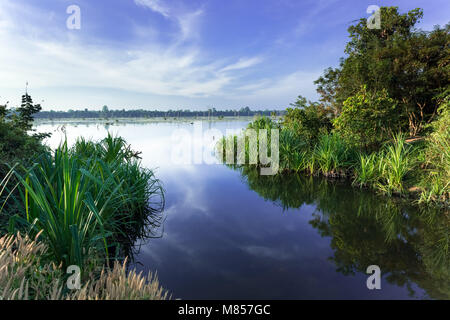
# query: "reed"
[83,201]
[366,171]
[396,160]
[331,155]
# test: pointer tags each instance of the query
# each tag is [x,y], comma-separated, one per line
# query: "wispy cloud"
[187,20]
[243,63]
[154,5]
[65,61]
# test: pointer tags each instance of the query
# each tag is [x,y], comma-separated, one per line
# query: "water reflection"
[411,245]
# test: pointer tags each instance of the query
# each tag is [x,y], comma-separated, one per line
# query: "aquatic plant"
[331,155]
[396,160]
[86,203]
[366,170]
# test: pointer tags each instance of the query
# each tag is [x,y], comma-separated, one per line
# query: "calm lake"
[233,234]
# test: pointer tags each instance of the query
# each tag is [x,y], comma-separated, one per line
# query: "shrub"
[307,121]
[263,123]
[367,119]
[17,144]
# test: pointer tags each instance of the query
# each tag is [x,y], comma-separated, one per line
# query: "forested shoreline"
[105,113]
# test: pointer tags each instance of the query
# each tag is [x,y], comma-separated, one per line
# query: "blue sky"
[161,54]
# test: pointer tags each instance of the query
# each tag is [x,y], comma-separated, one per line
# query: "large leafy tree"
[411,65]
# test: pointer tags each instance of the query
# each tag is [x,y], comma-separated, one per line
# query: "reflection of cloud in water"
[268,252]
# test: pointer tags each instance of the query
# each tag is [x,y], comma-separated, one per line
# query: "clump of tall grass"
[387,169]
[332,155]
[396,160]
[118,284]
[65,198]
[25,274]
[250,153]
[366,170]
[293,151]
[92,197]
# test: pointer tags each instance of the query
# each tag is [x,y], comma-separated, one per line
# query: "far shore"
[112,121]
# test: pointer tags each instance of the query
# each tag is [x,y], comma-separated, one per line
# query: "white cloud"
[243,63]
[154,5]
[187,20]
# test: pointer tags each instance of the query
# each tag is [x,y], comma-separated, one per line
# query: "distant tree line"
[141,113]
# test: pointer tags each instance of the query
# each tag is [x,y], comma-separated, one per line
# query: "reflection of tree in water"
[410,244]
[140,229]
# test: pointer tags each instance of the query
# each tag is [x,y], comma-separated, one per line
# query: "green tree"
[411,65]
[25,113]
[368,118]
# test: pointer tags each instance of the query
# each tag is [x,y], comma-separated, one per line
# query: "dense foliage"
[307,120]
[404,64]
[368,118]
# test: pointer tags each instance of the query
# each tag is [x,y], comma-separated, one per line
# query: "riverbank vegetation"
[84,205]
[383,115]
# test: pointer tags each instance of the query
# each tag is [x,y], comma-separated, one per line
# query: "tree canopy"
[410,65]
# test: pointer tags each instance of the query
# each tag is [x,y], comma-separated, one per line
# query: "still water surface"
[232,234]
